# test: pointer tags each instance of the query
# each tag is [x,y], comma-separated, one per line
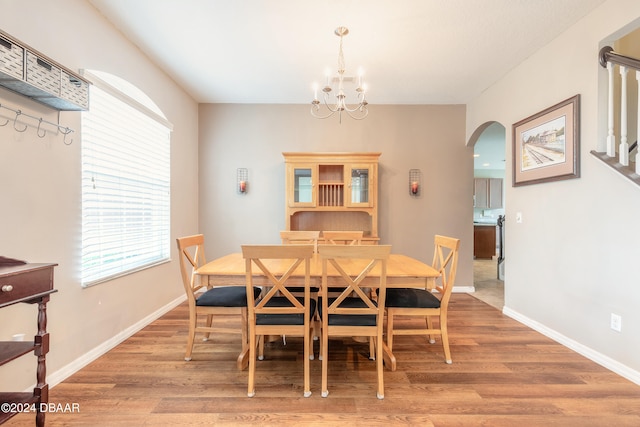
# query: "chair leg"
[245,327]
[321,343]
[251,390]
[261,348]
[390,330]
[324,347]
[380,364]
[209,323]
[191,337]
[316,324]
[445,341]
[372,349]
[432,338]
[308,351]
[243,358]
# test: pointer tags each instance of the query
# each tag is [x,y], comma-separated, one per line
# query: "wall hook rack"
[65,131]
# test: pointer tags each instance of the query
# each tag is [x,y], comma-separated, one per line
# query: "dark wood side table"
[31,284]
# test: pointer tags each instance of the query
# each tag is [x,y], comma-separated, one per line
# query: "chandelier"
[358,111]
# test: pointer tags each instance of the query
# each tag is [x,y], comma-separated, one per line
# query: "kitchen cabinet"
[332,191]
[487,193]
[484,241]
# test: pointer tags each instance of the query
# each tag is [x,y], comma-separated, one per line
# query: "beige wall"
[573,259]
[430,138]
[40,218]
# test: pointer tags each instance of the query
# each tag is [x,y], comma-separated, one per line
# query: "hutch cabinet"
[31,284]
[332,191]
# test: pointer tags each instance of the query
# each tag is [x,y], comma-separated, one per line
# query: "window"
[125,181]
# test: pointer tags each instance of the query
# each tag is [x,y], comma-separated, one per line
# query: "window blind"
[125,189]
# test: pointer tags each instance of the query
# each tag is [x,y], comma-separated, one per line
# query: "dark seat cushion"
[284,319]
[411,298]
[226,296]
[348,319]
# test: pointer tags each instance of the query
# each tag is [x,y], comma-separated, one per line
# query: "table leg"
[243,359]
[389,358]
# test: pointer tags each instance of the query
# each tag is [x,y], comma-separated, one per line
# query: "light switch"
[519,217]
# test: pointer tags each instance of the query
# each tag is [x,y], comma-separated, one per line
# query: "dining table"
[402,272]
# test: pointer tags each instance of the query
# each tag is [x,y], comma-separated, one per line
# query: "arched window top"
[124,87]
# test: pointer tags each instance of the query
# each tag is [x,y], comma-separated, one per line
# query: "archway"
[489,143]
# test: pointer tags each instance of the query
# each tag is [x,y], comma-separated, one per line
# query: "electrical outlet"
[616,322]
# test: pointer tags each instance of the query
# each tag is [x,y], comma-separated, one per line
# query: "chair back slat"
[287,258]
[354,264]
[192,256]
[445,260]
[343,237]
[300,237]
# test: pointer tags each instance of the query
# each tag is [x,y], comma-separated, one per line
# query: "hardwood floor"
[503,374]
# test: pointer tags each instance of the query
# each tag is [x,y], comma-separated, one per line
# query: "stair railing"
[618,156]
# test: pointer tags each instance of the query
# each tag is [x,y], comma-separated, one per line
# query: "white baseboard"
[599,358]
[82,361]
[463,289]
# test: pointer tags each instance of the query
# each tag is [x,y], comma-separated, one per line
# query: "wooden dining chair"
[342,237]
[353,313]
[345,238]
[279,312]
[424,303]
[300,237]
[204,299]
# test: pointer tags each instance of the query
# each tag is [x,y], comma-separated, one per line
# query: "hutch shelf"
[332,191]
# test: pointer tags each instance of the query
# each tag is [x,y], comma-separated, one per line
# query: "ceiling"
[411,51]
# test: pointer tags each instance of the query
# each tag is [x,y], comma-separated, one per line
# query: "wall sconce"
[242,180]
[415,182]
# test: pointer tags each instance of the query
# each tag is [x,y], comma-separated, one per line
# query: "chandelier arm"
[317,116]
[365,114]
[356,108]
[325,98]
[321,117]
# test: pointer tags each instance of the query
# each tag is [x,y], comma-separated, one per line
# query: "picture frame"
[546,146]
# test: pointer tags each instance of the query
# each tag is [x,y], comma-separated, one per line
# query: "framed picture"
[546,146]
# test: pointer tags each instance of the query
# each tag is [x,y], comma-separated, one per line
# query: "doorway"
[488,213]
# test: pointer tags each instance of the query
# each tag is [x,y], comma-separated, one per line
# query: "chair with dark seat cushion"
[353,313]
[423,303]
[215,300]
[279,312]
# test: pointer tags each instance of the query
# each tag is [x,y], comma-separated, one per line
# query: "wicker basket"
[42,74]
[74,90]
[11,59]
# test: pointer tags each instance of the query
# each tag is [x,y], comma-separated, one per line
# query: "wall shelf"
[29,73]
